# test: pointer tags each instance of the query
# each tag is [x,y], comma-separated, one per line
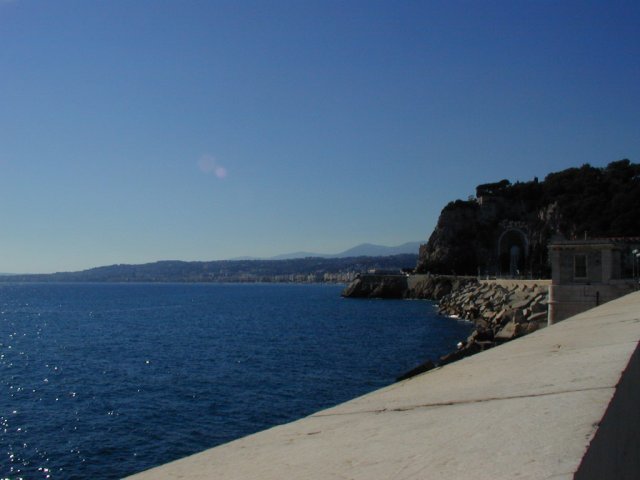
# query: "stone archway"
[513,250]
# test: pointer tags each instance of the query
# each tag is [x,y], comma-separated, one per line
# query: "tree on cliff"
[598,202]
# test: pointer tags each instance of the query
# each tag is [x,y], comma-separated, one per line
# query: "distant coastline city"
[309,269]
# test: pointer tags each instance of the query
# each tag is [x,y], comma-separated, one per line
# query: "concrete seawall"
[560,403]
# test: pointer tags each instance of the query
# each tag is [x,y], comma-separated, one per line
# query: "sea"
[100,381]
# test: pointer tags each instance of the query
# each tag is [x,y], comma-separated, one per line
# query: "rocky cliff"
[505,228]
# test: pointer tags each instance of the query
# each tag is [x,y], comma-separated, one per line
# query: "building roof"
[593,242]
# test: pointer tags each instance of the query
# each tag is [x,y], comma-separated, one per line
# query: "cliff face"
[506,228]
[456,244]
[495,237]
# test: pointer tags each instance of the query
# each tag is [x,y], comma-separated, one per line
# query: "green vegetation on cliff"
[475,235]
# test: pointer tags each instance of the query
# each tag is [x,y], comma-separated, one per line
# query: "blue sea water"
[105,380]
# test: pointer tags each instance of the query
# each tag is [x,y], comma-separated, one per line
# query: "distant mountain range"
[362,250]
[298,266]
[308,269]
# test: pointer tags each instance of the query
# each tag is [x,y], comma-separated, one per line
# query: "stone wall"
[569,300]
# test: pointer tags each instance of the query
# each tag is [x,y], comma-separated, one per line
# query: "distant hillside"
[368,249]
[362,250]
[292,270]
[478,235]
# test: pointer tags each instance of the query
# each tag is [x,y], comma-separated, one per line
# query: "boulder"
[485,335]
[539,318]
[510,331]
[530,327]
[538,307]
[524,303]
[441,289]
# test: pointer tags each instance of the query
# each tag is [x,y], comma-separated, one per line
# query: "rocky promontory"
[425,287]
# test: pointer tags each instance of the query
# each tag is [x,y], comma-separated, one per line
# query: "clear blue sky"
[134,131]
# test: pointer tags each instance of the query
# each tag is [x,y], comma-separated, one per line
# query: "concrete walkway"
[526,410]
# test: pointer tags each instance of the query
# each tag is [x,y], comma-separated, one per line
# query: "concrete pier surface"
[560,403]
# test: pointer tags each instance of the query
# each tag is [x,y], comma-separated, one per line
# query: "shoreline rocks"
[425,287]
[500,310]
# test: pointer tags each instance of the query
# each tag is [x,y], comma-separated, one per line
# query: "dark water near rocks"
[105,380]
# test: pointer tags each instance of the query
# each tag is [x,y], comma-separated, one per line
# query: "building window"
[580,266]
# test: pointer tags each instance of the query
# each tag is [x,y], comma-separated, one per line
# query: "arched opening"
[513,249]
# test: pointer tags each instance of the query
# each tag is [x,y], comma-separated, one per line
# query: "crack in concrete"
[464,402]
[558,348]
[560,475]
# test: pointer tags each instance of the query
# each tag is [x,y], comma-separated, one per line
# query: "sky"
[142,130]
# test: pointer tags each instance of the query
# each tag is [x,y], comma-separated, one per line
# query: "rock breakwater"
[501,310]
[504,311]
